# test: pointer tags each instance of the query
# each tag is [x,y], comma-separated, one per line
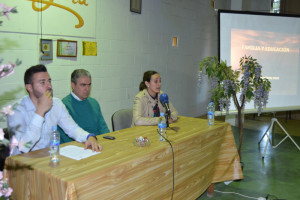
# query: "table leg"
[210,190]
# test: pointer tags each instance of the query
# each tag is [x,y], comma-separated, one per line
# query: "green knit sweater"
[87,114]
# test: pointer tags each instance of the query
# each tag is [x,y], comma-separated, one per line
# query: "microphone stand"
[167,118]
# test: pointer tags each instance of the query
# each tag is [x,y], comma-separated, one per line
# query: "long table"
[202,155]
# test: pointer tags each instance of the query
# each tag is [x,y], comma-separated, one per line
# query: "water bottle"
[54,145]
[211,113]
[162,126]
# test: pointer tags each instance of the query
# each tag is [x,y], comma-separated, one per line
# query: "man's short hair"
[31,71]
[79,73]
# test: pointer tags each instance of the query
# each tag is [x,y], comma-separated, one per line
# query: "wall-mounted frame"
[89,48]
[136,6]
[46,49]
[66,48]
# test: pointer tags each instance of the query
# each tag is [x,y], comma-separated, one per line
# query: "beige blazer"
[143,109]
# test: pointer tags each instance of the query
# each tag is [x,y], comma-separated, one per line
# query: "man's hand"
[44,103]
[91,141]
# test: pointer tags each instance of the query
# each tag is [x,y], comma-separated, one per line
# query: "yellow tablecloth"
[203,155]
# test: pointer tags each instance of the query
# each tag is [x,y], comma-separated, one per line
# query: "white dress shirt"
[33,131]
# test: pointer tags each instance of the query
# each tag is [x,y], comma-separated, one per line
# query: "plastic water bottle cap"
[54,128]
[162,125]
[162,114]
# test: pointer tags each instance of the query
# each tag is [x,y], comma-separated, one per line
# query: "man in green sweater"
[84,110]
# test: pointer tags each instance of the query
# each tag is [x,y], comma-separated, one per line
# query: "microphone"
[164,99]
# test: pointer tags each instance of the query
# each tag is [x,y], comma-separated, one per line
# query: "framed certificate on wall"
[66,48]
[46,49]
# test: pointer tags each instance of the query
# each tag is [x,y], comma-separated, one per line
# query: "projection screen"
[274,41]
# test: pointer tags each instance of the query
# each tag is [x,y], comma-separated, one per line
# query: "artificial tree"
[241,85]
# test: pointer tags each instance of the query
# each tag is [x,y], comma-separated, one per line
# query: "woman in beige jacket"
[147,106]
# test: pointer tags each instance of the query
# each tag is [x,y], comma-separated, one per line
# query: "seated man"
[32,120]
[84,110]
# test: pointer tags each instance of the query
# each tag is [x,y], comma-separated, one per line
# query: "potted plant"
[240,85]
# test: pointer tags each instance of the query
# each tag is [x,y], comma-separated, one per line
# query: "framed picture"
[46,49]
[89,48]
[136,6]
[66,48]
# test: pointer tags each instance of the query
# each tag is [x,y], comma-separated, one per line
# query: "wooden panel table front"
[203,155]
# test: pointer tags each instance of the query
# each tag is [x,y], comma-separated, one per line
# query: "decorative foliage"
[5,190]
[5,144]
[9,110]
[6,10]
[8,69]
[246,82]
[227,83]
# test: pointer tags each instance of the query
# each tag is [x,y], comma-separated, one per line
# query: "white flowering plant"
[6,70]
[241,86]
[6,145]
[5,190]
[6,10]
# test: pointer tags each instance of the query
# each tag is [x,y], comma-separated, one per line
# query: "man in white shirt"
[39,111]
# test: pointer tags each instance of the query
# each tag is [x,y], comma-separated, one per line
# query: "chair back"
[121,119]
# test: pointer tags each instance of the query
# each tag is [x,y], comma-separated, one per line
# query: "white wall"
[128,45]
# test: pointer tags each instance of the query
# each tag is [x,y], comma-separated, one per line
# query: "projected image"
[274,51]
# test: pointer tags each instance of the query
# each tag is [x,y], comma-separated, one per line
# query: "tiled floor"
[276,176]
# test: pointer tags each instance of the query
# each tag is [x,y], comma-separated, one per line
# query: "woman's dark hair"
[31,71]
[147,77]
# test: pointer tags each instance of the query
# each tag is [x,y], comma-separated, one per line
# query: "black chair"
[121,119]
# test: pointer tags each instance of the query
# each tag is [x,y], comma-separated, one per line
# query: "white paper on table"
[76,153]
